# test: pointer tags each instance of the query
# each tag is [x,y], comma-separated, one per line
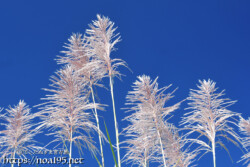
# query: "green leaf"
[111,145]
[97,160]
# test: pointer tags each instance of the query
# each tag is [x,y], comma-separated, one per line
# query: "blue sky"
[179,41]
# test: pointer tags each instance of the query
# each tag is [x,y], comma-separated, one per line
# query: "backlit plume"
[19,131]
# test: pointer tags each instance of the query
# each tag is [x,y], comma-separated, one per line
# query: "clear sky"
[181,41]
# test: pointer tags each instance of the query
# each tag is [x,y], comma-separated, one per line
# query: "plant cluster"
[71,115]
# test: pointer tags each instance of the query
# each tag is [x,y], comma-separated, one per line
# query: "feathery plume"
[81,58]
[147,122]
[102,39]
[65,111]
[140,138]
[19,132]
[245,129]
[210,117]
[177,153]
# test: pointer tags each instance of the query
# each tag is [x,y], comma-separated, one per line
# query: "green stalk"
[116,126]
[110,143]
[98,126]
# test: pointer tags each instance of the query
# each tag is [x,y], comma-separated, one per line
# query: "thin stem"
[159,135]
[12,163]
[145,159]
[145,162]
[70,148]
[98,126]
[162,151]
[116,126]
[213,148]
